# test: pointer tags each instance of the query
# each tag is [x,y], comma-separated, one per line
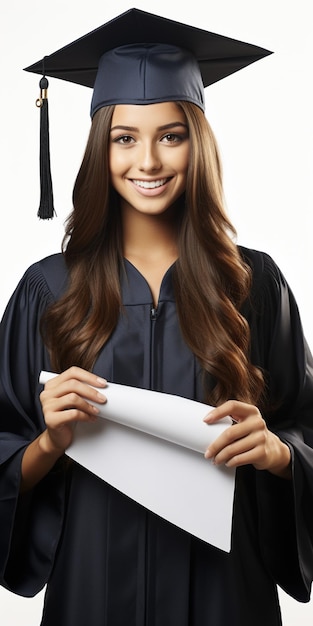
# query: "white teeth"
[150,184]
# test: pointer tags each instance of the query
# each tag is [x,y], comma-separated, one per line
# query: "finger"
[224,440]
[235,409]
[237,437]
[68,401]
[72,386]
[79,374]
[69,408]
[236,452]
[69,417]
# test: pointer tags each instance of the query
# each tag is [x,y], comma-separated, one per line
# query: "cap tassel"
[46,208]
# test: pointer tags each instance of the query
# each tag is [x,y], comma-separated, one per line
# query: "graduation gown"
[108,561]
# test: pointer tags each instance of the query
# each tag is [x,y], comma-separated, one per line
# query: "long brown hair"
[210,278]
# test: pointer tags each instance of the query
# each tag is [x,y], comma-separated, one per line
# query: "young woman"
[151,291]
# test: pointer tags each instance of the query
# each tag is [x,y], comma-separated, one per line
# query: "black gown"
[109,561]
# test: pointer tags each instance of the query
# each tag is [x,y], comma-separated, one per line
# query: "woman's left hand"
[248,441]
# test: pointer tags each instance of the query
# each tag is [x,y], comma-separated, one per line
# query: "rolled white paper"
[176,419]
[147,446]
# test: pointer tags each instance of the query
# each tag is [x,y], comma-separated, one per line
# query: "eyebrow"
[169,126]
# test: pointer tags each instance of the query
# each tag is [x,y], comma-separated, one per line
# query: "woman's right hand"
[67,399]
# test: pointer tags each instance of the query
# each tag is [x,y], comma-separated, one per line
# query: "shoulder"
[267,277]
[271,301]
[43,281]
[261,263]
[53,271]
[39,287]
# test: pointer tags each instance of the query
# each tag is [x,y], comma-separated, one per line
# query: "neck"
[149,236]
[150,244]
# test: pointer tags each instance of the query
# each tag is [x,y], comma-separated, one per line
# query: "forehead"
[152,115]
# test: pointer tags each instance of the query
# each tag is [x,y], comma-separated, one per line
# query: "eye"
[124,140]
[170,138]
[173,138]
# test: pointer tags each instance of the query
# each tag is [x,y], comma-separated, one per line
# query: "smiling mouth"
[150,184]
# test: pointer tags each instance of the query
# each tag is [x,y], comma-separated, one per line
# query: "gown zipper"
[149,601]
[153,367]
[153,313]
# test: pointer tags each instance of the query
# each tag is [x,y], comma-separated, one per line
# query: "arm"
[31,524]
[278,347]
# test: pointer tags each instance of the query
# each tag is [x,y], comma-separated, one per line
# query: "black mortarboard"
[141,58]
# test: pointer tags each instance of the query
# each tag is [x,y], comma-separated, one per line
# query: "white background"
[262,118]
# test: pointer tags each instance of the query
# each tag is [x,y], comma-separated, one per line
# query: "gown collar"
[136,290]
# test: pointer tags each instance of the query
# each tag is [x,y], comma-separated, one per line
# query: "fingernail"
[102,381]
[101,397]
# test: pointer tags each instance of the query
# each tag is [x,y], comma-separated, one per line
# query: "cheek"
[113,170]
[183,161]
[117,162]
[110,161]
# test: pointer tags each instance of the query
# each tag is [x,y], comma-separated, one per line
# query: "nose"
[149,157]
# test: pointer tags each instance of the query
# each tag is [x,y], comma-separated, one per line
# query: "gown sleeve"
[31,523]
[285,507]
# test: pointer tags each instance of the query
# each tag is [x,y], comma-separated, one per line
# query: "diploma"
[150,446]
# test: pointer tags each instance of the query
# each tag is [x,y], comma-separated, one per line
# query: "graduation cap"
[138,58]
